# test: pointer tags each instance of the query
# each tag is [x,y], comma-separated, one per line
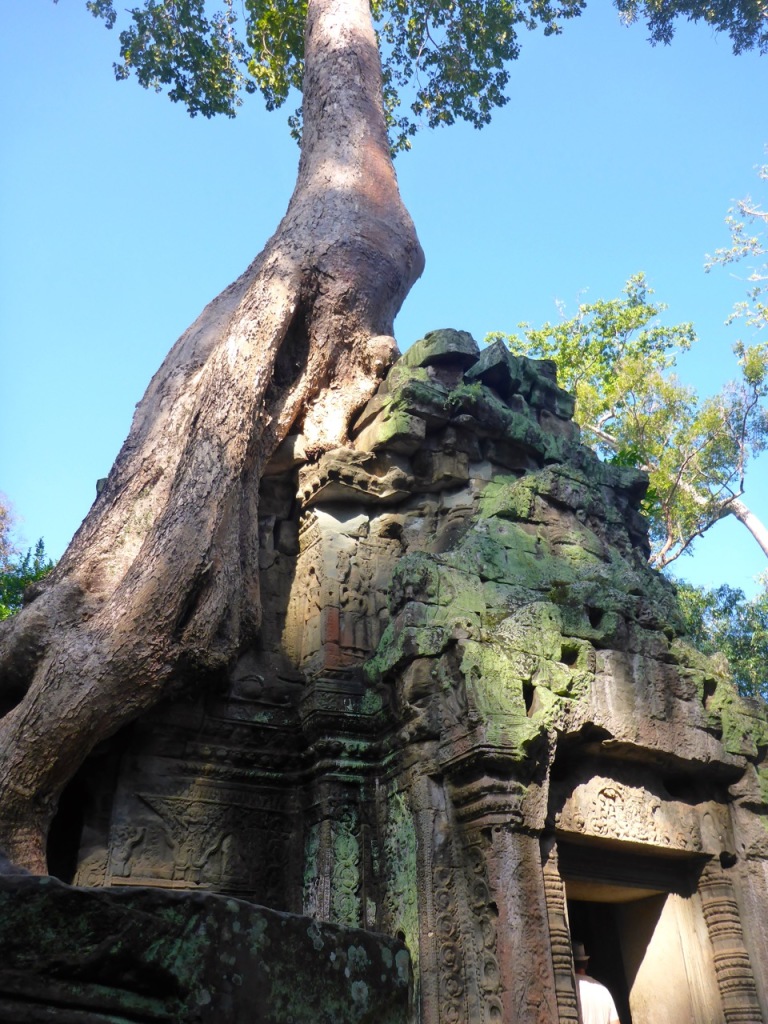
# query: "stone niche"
[471,722]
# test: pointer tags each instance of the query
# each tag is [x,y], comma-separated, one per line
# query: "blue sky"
[121,217]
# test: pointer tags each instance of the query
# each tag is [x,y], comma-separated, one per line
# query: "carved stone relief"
[634,808]
[447,936]
[399,868]
[212,837]
[346,899]
[483,924]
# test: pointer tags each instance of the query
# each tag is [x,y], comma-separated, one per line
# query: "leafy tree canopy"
[6,523]
[617,357]
[442,59]
[748,226]
[724,621]
[17,573]
[743,20]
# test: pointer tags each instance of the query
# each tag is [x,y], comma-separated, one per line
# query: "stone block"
[276,496]
[508,455]
[544,368]
[437,470]
[379,403]
[545,394]
[288,537]
[442,346]
[413,395]
[85,956]
[566,429]
[392,429]
[497,368]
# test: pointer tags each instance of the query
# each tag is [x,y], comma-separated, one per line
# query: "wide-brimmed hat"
[579,953]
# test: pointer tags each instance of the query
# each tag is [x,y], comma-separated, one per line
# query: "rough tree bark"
[162,575]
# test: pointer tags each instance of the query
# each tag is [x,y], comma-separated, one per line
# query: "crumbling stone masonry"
[472,722]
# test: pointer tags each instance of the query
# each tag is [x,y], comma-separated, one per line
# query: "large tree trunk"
[162,575]
[748,518]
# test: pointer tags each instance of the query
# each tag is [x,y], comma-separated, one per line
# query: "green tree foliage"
[442,59]
[17,572]
[743,20]
[724,621]
[449,59]
[618,358]
[748,226]
[6,523]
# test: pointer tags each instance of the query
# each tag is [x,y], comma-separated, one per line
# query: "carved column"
[508,962]
[732,966]
[559,936]
[334,858]
[443,940]
[527,988]
[401,886]
[485,988]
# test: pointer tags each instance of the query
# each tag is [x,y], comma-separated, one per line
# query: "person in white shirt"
[596,1002]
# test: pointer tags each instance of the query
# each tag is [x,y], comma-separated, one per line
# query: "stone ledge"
[122,956]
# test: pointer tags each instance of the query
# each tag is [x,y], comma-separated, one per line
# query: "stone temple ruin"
[472,724]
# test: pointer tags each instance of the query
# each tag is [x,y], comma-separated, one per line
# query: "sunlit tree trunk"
[162,575]
[748,518]
[673,546]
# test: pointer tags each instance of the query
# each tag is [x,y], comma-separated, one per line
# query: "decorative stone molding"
[735,977]
[608,809]
[560,937]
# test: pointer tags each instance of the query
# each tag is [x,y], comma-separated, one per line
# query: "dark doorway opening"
[596,926]
[84,810]
[65,832]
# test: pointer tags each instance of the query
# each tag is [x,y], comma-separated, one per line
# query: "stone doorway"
[640,917]
[596,925]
